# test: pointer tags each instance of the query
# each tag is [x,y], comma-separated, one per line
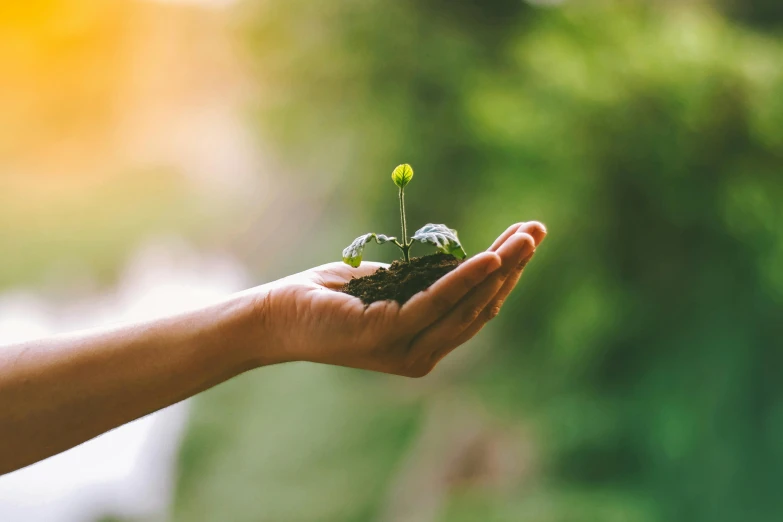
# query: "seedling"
[444,238]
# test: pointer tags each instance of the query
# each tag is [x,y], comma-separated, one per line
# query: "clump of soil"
[401,280]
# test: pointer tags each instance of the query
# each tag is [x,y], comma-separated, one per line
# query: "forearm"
[59,392]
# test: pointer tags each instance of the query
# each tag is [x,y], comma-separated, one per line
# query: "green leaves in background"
[443,237]
[353,253]
[647,136]
[402,175]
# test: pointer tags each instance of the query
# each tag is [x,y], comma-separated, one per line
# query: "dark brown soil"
[401,280]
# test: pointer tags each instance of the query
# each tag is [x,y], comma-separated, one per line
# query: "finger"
[493,309]
[510,284]
[538,232]
[536,229]
[335,275]
[450,328]
[428,306]
[514,250]
[504,237]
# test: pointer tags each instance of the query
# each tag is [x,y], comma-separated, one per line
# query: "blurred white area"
[128,472]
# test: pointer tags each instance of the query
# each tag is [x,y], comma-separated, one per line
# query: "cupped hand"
[307,318]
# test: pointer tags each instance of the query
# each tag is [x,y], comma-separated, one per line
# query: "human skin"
[58,392]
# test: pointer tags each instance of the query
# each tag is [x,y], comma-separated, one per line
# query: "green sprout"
[442,237]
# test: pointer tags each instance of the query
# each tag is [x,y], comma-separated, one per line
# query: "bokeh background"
[154,155]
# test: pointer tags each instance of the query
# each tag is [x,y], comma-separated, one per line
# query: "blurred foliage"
[61,230]
[294,444]
[763,14]
[644,343]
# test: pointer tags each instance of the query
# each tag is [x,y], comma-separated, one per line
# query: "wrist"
[230,334]
[256,342]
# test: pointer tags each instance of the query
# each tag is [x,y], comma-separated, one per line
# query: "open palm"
[310,320]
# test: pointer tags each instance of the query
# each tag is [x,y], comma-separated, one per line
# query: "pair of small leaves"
[353,253]
[442,237]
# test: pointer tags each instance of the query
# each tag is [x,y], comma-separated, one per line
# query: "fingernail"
[526,246]
[538,231]
[545,231]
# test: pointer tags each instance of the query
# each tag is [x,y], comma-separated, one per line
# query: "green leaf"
[443,237]
[402,175]
[352,255]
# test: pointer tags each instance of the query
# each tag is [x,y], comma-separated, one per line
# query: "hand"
[306,318]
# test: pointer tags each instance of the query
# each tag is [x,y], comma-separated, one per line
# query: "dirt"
[401,280]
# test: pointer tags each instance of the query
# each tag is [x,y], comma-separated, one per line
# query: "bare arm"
[58,392]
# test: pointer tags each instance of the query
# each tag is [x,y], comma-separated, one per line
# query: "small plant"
[444,238]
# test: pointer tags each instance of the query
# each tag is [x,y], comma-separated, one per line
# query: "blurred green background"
[635,374]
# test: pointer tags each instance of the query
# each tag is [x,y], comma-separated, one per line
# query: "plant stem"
[405,245]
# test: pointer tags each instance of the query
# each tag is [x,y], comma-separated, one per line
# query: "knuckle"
[493,311]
